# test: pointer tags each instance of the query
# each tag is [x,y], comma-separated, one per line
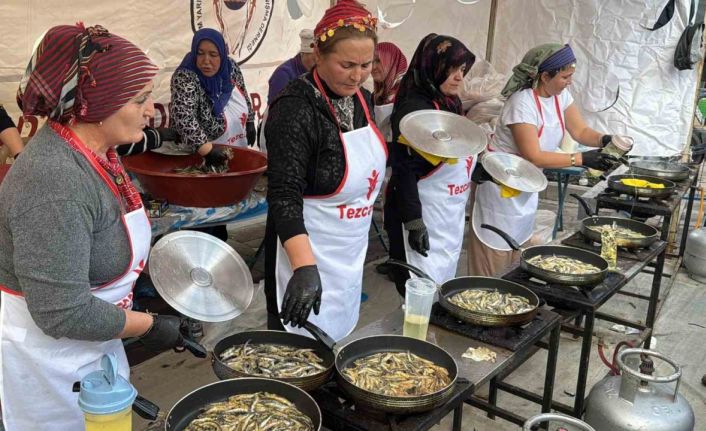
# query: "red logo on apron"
[372,182]
[469,164]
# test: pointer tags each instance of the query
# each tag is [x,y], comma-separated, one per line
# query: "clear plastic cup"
[419,298]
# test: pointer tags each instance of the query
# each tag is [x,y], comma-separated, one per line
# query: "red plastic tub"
[156,175]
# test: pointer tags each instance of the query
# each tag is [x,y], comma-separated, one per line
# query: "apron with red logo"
[37,371]
[235,114]
[338,226]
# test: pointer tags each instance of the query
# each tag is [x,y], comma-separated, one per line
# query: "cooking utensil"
[307,383]
[363,347]
[443,134]
[615,183]
[201,276]
[155,172]
[514,171]
[660,169]
[559,251]
[651,234]
[460,284]
[191,405]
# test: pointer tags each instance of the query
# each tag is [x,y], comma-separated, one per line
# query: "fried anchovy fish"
[202,168]
[262,411]
[491,302]
[272,360]
[398,374]
[620,232]
[565,265]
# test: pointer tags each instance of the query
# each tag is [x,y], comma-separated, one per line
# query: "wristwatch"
[573,159]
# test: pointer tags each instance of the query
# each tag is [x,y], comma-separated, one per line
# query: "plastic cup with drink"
[419,297]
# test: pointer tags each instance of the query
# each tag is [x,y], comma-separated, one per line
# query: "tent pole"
[491,30]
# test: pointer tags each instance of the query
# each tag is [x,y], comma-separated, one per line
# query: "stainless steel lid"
[514,171]
[201,276]
[660,169]
[443,134]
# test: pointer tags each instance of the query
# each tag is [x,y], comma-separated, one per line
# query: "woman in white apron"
[426,197]
[533,122]
[326,164]
[74,235]
[210,104]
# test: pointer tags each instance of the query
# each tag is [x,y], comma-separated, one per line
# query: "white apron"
[514,215]
[236,116]
[37,371]
[382,120]
[338,226]
[443,194]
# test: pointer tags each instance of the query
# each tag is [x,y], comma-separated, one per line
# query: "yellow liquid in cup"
[120,421]
[415,326]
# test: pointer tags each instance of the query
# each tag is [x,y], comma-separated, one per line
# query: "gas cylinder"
[637,400]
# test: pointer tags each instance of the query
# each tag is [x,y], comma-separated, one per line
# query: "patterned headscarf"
[80,73]
[393,65]
[435,57]
[550,56]
[346,13]
[219,86]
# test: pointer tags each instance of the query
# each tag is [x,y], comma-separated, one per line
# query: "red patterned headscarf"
[393,65]
[82,73]
[346,13]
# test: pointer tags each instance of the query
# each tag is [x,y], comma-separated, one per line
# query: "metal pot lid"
[201,276]
[514,171]
[443,134]
[660,166]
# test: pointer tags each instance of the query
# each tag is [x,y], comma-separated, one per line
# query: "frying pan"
[560,251]
[186,409]
[460,284]
[307,383]
[367,346]
[660,169]
[614,182]
[650,233]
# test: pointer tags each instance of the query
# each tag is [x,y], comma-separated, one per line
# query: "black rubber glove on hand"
[597,160]
[251,133]
[303,293]
[419,240]
[216,159]
[605,140]
[168,134]
[480,175]
[164,334]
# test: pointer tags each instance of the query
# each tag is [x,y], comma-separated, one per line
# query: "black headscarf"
[430,66]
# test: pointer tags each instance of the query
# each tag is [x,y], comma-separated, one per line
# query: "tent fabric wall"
[655,103]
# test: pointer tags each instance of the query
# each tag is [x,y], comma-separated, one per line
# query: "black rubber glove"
[605,140]
[419,240]
[251,133]
[216,159]
[164,334]
[597,160]
[303,293]
[480,175]
[168,134]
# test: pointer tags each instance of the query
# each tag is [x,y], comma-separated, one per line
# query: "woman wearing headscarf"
[74,234]
[326,162]
[389,67]
[426,197]
[532,124]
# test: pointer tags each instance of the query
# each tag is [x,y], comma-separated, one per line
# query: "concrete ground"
[680,333]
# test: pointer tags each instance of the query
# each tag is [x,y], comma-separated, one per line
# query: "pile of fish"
[272,360]
[621,232]
[562,264]
[491,302]
[203,168]
[397,374]
[258,411]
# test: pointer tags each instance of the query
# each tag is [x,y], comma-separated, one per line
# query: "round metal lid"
[443,134]
[201,276]
[514,171]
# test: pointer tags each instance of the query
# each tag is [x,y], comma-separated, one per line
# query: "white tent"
[655,103]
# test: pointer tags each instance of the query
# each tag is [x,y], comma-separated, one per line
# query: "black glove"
[168,134]
[480,175]
[605,140]
[216,159]
[164,334]
[595,159]
[251,133]
[419,240]
[303,293]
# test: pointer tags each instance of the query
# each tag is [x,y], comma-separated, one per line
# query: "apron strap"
[541,115]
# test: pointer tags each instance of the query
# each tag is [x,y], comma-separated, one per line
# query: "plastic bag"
[481,84]
[487,112]
[543,227]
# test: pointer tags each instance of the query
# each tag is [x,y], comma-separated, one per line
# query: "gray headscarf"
[525,74]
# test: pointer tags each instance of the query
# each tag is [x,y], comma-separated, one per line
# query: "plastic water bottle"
[106,398]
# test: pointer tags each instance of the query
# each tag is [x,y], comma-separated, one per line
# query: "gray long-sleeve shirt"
[60,234]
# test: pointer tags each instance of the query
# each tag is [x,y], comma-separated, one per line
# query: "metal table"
[473,374]
[563,175]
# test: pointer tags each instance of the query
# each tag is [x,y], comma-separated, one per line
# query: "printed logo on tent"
[243,23]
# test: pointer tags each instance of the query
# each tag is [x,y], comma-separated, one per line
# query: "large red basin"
[156,174]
